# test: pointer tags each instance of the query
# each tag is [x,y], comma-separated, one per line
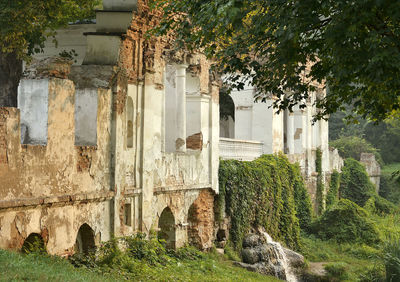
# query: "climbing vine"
[267,192]
[320,182]
[333,193]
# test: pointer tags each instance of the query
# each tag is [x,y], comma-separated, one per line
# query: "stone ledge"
[180,188]
[63,199]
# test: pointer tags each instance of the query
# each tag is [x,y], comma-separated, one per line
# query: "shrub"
[333,193]
[346,222]
[267,192]
[383,206]
[353,146]
[355,184]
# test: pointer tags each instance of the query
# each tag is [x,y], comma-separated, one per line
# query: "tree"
[24,26]
[351,46]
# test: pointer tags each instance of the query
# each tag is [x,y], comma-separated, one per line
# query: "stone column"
[290,132]
[181,107]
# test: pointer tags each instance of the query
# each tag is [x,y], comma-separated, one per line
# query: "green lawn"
[18,267]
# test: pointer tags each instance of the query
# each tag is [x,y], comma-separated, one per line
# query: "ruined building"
[125,140]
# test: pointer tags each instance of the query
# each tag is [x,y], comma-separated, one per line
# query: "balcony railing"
[242,150]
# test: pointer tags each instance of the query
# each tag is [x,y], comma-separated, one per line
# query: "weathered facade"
[127,141]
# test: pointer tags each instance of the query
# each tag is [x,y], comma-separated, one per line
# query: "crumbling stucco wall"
[373,168]
[123,178]
[53,189]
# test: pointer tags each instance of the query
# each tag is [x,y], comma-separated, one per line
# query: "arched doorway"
[85,241]
[166,228]
[34,243]
[193,228]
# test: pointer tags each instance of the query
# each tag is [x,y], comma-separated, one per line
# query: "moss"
[346,222]
[267,192]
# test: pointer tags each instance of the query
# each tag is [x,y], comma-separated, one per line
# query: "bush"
[383,206]
[346,222]
[353,146]
[268,192]
[355,184]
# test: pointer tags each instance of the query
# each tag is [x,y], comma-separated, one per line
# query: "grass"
[355,262]
[32,267]
[17,267]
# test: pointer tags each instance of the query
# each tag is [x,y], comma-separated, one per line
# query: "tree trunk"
[10,74]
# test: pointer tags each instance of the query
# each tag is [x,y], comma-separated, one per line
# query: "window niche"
[129,122]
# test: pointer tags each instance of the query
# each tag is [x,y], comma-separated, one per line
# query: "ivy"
[333,194]
[320,183]
[267,192]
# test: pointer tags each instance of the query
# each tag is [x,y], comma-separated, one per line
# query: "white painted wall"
[69,38]
[170,108]
[120,5]
[33,100]
[86,117]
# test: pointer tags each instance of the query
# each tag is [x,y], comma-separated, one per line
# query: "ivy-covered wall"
[267,192]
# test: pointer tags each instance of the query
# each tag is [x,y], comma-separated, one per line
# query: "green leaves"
[25,24]
[352,46]
[267,192]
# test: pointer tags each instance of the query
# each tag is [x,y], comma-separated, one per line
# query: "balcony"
[242,150]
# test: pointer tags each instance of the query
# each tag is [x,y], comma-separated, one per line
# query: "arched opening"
[227,114]
[129,122]
[166,228]
[193,228]
[34,244]
[85,241]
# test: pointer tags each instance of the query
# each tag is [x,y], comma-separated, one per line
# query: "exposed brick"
[195,141]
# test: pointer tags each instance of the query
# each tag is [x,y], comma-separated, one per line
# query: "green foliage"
[35,245]
[267,192]
[226,105]
[353,146]
[374,273]
[392,260]
[389,187]
[271,43]
[210,267]
[346,222]
[25,24]
[355,184]
[230,252]
[333,193]
[302,199]
[383,136]
[337,271]
[36,267]
[383,206]
[320,183]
